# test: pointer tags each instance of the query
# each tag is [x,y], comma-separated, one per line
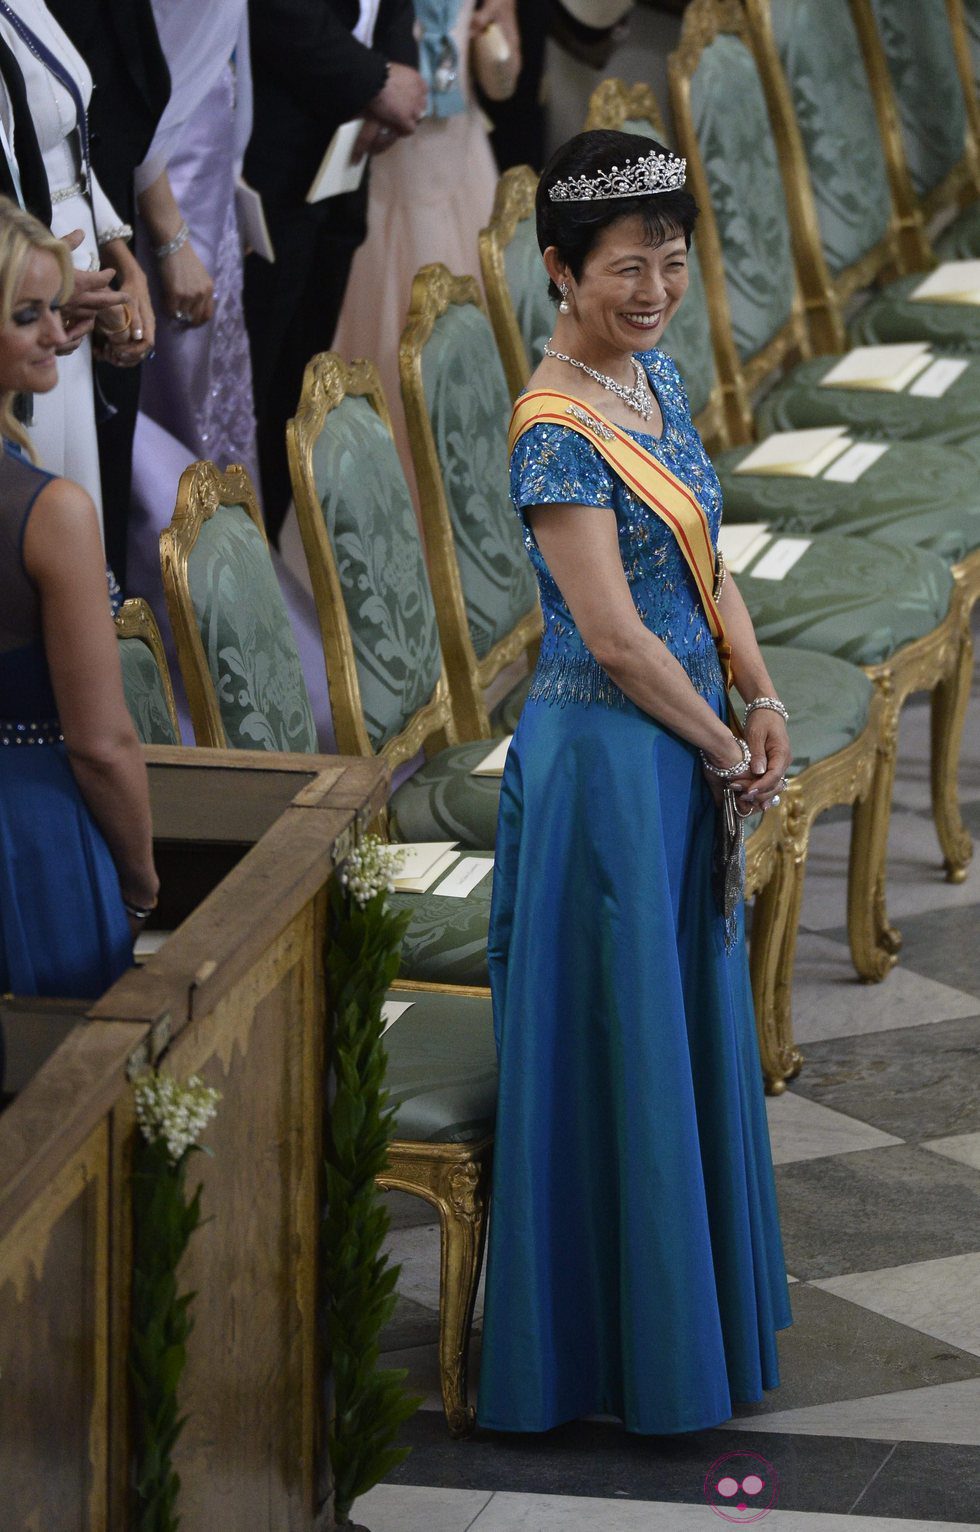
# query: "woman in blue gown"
[635,1263]
[76,858]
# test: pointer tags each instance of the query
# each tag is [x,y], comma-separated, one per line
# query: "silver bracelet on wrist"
[121,231]
[725,773]
[179,240]
[773,705]
[137,911]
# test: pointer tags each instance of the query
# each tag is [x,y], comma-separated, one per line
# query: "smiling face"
[30,336]
[628,290]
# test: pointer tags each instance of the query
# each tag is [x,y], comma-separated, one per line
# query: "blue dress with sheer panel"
[635,1263]
[63,928]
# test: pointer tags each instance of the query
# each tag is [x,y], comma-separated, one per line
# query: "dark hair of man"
[574,227]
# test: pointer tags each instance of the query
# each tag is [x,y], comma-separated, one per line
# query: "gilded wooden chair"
[516,285]
[389,694]
[146,674]
[745,241]
[812,63]
[442,1083]
[457,404]
[918,57]
[235,646]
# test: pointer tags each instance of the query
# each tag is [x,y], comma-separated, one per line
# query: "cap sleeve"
[554,465]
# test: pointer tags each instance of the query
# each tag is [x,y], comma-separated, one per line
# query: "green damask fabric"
[247,638]
[919,48]
[799,402]
[917,495]
[859,601]
[374,535]
[892,315]
[446,942]
[827,700]
[442,801]
[732,128]
[961,241]
[527,282]
[144,693]
[442,1068]
[469,408]
[688,339]
[821,55]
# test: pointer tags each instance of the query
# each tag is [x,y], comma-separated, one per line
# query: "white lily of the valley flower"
[370,869]
[176,1113]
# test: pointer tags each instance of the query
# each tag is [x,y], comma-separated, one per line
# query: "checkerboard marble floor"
[876,1427]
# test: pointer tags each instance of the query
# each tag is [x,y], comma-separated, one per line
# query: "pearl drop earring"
[564,306]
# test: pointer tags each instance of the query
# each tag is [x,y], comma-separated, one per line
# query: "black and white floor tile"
[876,1427]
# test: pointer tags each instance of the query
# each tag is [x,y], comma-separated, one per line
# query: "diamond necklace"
[638,397]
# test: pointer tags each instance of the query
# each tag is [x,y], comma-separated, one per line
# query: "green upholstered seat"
[446,942]
[442,801]
[248,642]
[145,696]
[821,56]
[859,601]
[893,315]
[918,494]
[527,282]
[442,1068]
[827,699]
[503,718]
[371,525]
[799,401]
[961,241]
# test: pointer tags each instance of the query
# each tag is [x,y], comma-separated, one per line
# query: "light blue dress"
[635,1264]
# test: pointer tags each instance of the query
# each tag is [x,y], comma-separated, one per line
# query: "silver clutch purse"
[729,855]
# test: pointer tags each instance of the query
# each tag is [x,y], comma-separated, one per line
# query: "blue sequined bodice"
[555,465]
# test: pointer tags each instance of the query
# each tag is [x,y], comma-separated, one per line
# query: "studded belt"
[45,731]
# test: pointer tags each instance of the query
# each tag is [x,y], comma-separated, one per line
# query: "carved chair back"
[516,283]
[235,646]
[146,675]
[389,694]
[457,405]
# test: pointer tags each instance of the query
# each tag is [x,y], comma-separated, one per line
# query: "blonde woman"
[76,860]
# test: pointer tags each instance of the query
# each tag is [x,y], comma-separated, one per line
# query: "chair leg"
[775,916]
[455,1179]
[949,703]
[873,940]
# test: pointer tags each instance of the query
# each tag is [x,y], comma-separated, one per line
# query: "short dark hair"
[574,227]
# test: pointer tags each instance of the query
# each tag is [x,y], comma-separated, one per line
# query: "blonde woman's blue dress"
[635,1263]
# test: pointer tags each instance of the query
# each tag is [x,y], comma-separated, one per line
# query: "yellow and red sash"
[665,494]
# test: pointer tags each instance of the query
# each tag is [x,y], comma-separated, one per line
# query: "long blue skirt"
[635,1263]
[63,929]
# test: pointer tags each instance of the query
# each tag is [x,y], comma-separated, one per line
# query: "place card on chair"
[952,282]
[468,872]
[492,765]
[422,863]
[797,454]
[741,541]
[941,376]
[391,1010]
[881,369]
[855,462]
[778,560]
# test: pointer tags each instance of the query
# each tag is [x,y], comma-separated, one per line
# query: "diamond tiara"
[643,178]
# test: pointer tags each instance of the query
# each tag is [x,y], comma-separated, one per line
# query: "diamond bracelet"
[725,773]
[179,240]
[773,705]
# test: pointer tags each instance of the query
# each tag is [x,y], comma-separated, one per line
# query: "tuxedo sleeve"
[394,34]
[316,57]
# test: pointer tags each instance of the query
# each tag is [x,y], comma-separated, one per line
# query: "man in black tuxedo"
[118,40]
[30,166]
[310,74]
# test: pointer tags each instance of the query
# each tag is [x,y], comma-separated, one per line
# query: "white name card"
[940,376]
[952,282]
[855,461]
[492,765]
[740,541]
[468,872]
[777,561]
[391,1010]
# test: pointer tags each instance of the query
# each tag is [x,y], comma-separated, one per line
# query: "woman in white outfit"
[59,87]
